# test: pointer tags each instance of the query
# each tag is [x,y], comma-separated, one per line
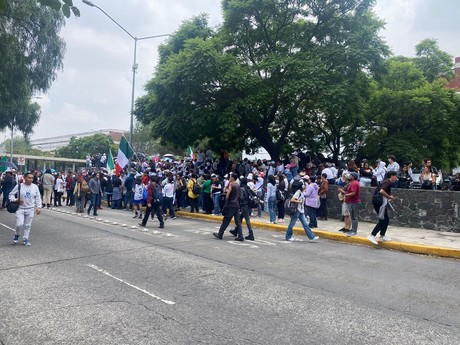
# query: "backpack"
[145,194]
[157,195]
[243,198]
[84,186]
[377,198]
[280,195]
[290,207]
[196,188]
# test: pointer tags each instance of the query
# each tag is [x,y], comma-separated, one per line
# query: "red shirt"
[354,187]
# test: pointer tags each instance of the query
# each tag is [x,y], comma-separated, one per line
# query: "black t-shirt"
[386,186]
[234,194]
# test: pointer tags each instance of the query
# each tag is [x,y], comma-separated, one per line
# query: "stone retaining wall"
[414,208]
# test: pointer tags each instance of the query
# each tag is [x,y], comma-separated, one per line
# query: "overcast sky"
[94,90]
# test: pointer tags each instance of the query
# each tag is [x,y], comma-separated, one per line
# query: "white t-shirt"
[30,195]
[168,190]
[138,190]
[299,196]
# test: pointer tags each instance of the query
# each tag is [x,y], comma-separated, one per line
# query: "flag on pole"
[190,153]
[110,164]
[124,154]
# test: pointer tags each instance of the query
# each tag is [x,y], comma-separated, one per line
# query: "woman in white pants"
[30,203]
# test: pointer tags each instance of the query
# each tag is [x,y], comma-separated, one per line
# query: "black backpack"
[377,198]
[290,207]
[157,195]
[243,198]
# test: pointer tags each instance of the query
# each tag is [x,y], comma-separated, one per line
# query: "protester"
[96,191]
[381,209]
[48,184]
[353,200]
[154,202]
[299,199]
[30,203]
[231,210]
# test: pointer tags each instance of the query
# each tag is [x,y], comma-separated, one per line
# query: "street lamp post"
[131,125]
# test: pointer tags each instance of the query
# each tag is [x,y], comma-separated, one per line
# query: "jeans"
[215,199]
[260,195]
[94,201]
[303,220]
[323,211]
[354,212]
[271,208]
[80,201]
[116,204]
[70,198]
[311,211]
[168,204]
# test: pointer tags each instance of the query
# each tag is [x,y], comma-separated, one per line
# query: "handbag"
[13,206]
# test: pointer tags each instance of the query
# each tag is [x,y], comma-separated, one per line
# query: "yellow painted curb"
[400,246]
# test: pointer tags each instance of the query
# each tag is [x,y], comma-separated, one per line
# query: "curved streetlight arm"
[89,3]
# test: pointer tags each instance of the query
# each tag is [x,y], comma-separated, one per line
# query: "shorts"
[138,202]
[345,210]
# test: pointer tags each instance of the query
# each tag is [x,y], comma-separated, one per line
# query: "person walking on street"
[30,203]
[381,209]
[48,184]
[96,191]
[353,200]
[245,211]
[154,202]
[231,210]
[299,199]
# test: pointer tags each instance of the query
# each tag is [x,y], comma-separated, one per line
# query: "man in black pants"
[381,209]
[232,208]
[245,211]
[154,201]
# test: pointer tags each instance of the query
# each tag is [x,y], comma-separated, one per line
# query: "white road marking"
[94,267]
[6,226]
[238,243]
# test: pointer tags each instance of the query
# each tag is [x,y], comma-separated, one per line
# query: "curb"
[399,246]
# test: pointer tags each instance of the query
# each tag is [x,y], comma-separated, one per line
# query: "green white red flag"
[190,153]
[110,163]
[124,155]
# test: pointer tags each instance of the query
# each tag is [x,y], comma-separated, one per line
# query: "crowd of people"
[235,189]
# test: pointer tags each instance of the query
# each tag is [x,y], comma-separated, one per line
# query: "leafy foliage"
[412,118]
[264,75]
[31,52]
[80,147]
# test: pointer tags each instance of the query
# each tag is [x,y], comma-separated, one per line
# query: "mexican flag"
[110,164]
[190,153]
[124,154]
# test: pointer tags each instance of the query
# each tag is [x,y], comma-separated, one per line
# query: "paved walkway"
[421,241]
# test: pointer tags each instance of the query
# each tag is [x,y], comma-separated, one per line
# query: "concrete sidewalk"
[419,241]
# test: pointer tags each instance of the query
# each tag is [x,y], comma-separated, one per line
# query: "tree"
[258,79]
[31,53]
[66,6]
[22,146]
[432,61]
[412,118]
[81,147]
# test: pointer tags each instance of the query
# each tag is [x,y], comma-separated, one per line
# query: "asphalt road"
[85,281]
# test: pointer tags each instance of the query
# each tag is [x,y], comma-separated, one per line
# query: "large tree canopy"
[261,78]
[31,53]
[412,118]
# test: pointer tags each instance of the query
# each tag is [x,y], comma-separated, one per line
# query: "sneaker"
[249,238]
[314,239]
[26,242]
[174,218]
[140,216]
[135,216]
[351,233]
[385,239]
[372,239]
[16,239]
[216,235]
[292,239]
[241,239]
[234,232]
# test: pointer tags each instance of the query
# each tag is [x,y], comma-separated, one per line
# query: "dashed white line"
[94,267]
